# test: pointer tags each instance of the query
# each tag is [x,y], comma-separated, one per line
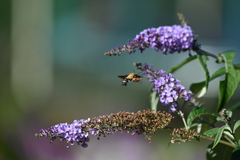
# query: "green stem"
[229,140]
[221,141]
[183,119]
[208,54]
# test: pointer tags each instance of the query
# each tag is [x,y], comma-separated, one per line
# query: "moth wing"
[137,78]
[123,77]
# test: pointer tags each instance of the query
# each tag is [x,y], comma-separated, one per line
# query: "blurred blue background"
[53,70]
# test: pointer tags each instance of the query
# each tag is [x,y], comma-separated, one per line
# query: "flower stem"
[221,141]
[208,54]
[183,119]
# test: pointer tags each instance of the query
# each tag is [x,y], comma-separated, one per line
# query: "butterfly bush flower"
[173,108]
[143,122]
[183,135]
[74,132]
[167,86]
[168,39]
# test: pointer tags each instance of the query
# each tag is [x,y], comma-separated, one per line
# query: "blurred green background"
[53,70]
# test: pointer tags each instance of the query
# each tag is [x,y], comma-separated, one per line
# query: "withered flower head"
[183,135]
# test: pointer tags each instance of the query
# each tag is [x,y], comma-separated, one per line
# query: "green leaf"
[196,87]
[203,62]
[222,94]
[227,128]
[169,144]
[194,124]
[220,152]
[228,132]
[198,112]
[235,107]
[211,132]
[199,128]
[218,73]
[228,86]
[229,135]
[238,74]
[218,136]
[236,125]
[203,91]
[229,113]
[175,68]
[236,154]
[154,99]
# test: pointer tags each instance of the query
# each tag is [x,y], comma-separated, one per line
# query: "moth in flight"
[130,77]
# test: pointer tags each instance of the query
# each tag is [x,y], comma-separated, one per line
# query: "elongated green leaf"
[218,73]
[169,144]
[211,132]
[203,62]
[235,107]
[229,135]
[222,94]
[228,86]
[228,132]
[228,129]
[238,76]
[237,69]
[175,68]
[220,152]
[199,128]
[154,99]
[236,125]
[218,136]
[198,112]
[202,92]
[196,87]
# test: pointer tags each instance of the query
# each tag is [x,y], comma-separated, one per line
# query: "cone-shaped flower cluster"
[183,135]
[143,122]
[167,86]
[168,39]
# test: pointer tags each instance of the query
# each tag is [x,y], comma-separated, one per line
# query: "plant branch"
[221,141]
[208,54]
[229,140]
[183,119]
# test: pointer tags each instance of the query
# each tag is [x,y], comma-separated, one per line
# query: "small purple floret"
[173,108]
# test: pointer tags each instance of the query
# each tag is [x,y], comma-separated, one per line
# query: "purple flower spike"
[75,132]
[167,86]
[168,39]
